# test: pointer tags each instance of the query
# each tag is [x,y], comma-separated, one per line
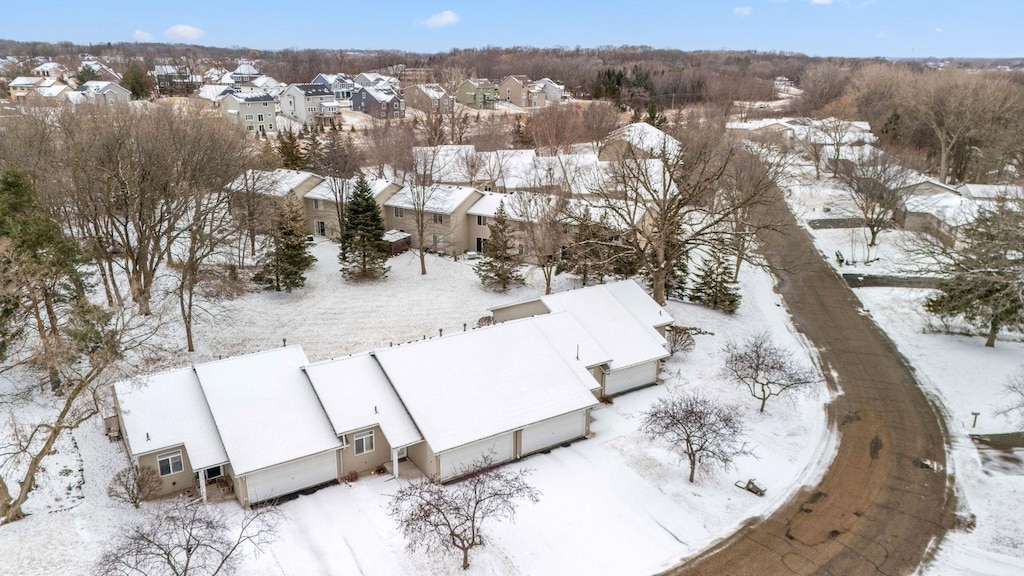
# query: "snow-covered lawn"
[964,377]
[616,486]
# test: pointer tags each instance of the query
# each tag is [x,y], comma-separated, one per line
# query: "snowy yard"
[964,377]
[614,487]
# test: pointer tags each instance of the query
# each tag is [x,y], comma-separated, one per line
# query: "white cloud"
[184,32]
[821,1]
[939,30]
[742,11]
[140,36]
[442,19]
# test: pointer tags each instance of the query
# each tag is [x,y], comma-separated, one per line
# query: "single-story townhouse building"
[627,324]
[253,420]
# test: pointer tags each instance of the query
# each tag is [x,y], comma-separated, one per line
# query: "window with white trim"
[437,218]
[481,220]
[363,442]
[170,463]
[248,116]
[399,212]
[317,204]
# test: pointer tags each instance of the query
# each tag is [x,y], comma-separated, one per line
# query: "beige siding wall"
[241,493]
[172,483]
[929,224]
[521,310]
[478,230]
[352,462]
[327,213]
[424,458]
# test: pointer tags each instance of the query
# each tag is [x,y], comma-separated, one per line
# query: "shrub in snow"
[134,485]
[765,368]
[438,518]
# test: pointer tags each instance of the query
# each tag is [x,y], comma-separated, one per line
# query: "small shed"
[398,241]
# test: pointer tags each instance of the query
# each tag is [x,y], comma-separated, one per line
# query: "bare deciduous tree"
[822,83]
[134,485]
[765,368]
[180,538]
[877,186]
[697,428]
[1014,391]
[437,518]
[541,230]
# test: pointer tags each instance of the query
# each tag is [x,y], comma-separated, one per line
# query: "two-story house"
[50,70]
[479,93]
[379,102]
[444,209]
[173,79]
[310,104]
[522,92]
[102,92]
[254,110]
[553,91]
[341,85]
[430,98]
[372,79]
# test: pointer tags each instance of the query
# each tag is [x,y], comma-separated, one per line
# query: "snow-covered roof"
[474,385]
[166,410]
[395,236]
[277,183]
[639,303]
[212,91]
[356,395]
[264,82]
[991,191]
[949,207]
[265,409]
[571,340]
[432,91]
[381,92]
[24,81]
[643,136]
[487,205]
[245,68]
[97,86]
[248,96]
[439,198]
[625,337]
[48,67]
[331,187]
[51,91]
[313,89]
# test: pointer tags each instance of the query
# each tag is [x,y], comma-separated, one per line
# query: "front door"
[321,228]
[480,244]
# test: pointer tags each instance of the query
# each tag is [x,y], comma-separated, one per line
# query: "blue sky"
[895,28]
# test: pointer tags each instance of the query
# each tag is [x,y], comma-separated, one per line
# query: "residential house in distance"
[409,76]
[372,79]
[50,70]
[637,140]
[310,104]
[245,72]
[379,102]
[103,71]
[341,85]
[429,98]
[104,92]
[478,93]
[22,85]
[445,208]
[522,92]
[254,110]
[553,91]
[175,80]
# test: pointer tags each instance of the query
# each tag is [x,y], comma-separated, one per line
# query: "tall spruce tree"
[284,265]
[363,252]
[499,268]
[713,288]
[290,150]
[137,82]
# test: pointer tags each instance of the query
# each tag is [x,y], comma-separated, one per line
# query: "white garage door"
[553,432]
[291,476]
[457,461]
[629,378]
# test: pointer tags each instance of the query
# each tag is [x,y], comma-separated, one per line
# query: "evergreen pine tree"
[285,264]
[290,151]
[86,74]
[364,252]
[137,82]
[712,288]
[499,267]
[592,254]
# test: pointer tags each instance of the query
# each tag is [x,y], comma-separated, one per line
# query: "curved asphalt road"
[877,508]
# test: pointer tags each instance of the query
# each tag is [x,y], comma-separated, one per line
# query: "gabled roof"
[432,91]
[25,81]
[266,410]
[380,93]
[639,303]
[991,191]
[621,334]
[249,96]
[328,189]
[213,91]
[571,340]
[100,86]
[439,198]
[277,183]
[166,410]
[474,385]
[356,395]
[487,206]
[646,138]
